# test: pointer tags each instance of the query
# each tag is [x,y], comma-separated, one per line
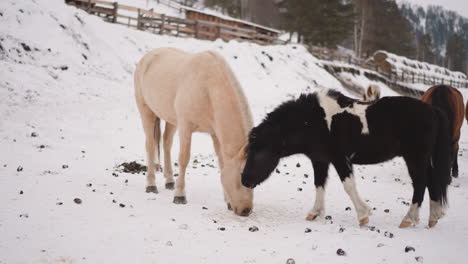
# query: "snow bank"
[403,64]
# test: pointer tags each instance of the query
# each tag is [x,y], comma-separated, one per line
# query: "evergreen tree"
[455,53]
[231,7]
[424,49]
[323,23]
[387,29]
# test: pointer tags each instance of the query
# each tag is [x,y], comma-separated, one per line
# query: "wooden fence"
[157,23]
[397,80]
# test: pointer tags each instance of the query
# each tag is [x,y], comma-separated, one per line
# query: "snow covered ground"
[69,118]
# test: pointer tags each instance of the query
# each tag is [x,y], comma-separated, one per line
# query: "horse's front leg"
[219,154]
[345,170]
[320,180]
[185,141]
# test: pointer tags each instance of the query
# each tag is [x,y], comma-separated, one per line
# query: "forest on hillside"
[433,35]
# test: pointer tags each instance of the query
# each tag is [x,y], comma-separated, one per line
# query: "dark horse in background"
[329,127]
[450,101]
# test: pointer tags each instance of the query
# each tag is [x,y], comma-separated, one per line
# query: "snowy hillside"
[69,119]
[436,21]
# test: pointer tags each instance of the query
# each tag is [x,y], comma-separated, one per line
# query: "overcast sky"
[459,6]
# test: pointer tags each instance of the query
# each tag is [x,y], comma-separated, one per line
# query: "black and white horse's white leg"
[345,170]
[320,180]
[436,210]
[417,169]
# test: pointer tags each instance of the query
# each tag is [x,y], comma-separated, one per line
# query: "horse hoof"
[405,224]
[311,217]
[229,206]
[180,200]
[151,189]
[170,186]
[363,221]
[432,223]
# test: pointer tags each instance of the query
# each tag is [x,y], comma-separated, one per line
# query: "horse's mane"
[241,99]
[297,111]
[292,110]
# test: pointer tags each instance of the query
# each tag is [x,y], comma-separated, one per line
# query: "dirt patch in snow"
[131,167]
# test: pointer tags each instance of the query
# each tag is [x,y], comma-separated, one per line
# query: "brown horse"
[194,93]
[449,100]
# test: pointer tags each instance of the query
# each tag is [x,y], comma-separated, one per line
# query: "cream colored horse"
[194,93]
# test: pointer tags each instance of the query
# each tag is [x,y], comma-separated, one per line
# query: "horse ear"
[369,91]
[242,154]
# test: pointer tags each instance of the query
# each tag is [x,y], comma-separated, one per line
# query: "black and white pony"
[329,127]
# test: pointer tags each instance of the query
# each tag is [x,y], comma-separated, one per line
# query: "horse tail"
[441,98]
[140,71]
[439,176]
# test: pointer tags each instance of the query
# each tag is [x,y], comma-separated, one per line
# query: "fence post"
[116,7]
[413,77]
[196,29]
[218,31]
[88,6]
[138,19]
[442,79]
[163,19]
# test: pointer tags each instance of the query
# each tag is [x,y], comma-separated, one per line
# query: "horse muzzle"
[245,212]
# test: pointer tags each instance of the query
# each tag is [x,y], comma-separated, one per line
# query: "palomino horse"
[372,93]
[194,93]
[329,127]
[450,101]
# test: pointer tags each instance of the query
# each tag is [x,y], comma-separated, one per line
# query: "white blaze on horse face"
[331,108]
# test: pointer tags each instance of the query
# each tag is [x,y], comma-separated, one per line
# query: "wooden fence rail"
[157,23]
[398,80]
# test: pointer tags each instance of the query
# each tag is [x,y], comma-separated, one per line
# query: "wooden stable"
[233,28]
[197,24]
